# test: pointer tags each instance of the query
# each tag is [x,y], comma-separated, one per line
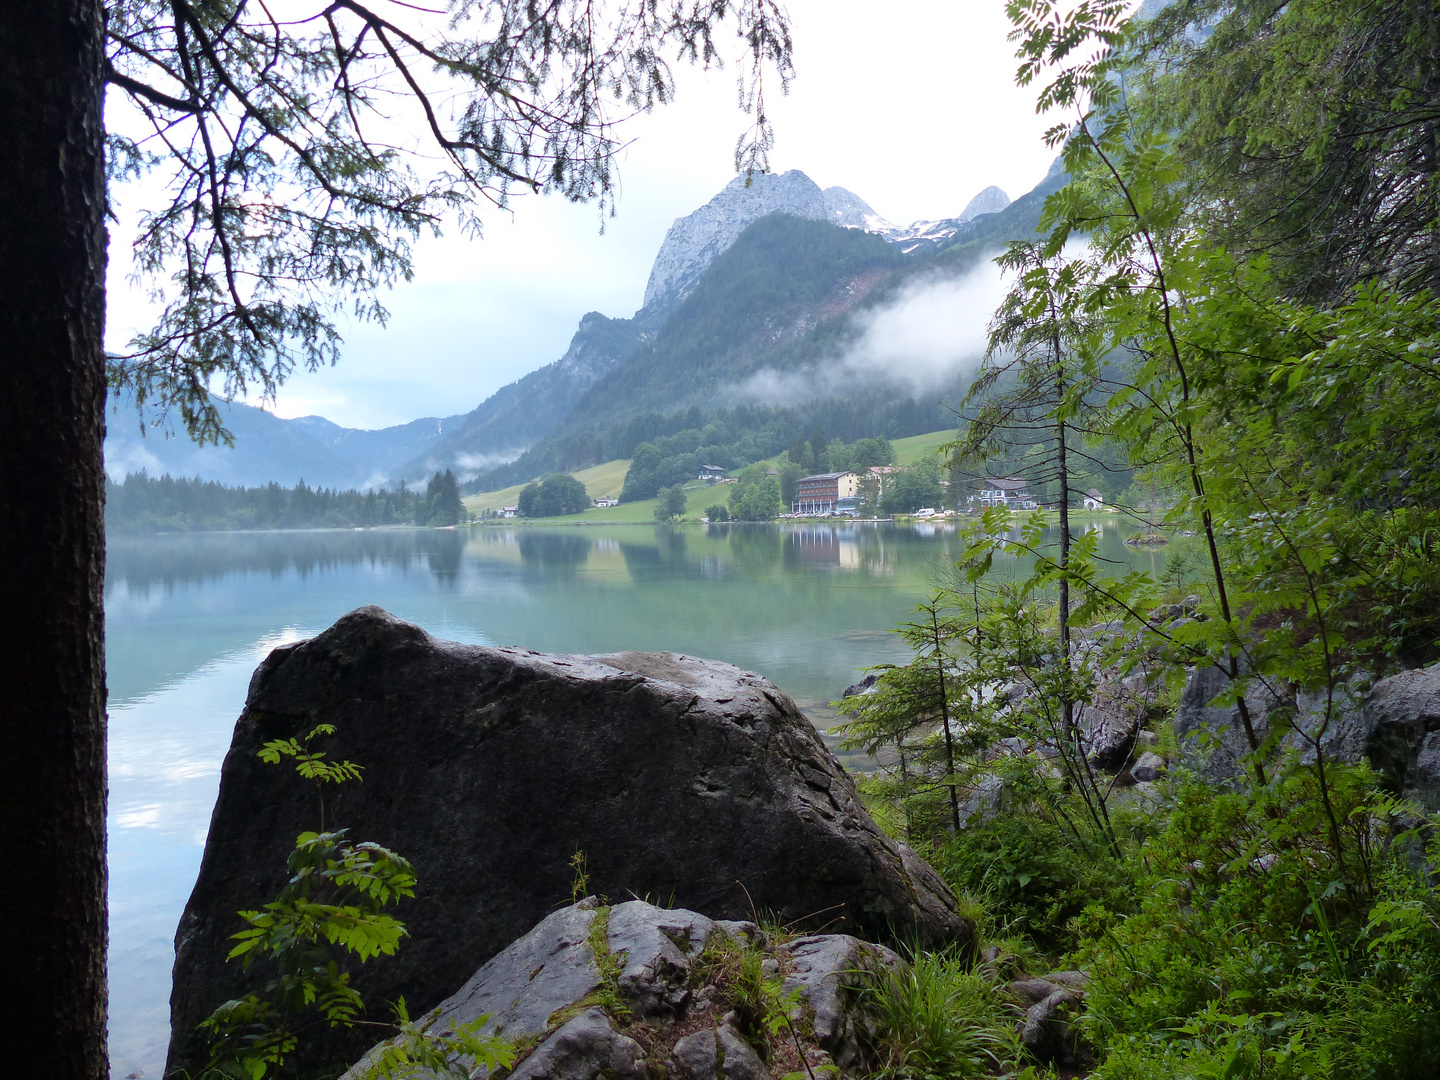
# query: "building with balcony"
[826,493]
[1009,493]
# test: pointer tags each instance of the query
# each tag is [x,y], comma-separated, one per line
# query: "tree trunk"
[52,660]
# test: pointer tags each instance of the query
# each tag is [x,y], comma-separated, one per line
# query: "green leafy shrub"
[1032,875]
[1260,949]
[331,909]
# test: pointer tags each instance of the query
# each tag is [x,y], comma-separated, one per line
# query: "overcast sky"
[910,104]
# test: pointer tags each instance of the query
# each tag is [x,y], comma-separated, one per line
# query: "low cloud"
[468,466]
[933,331]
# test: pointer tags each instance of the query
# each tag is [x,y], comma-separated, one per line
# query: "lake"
[188,617]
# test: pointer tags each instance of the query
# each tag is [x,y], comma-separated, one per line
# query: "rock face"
[675,1008]
[693,241]
[1394,724]
[489,768]
[1215,734]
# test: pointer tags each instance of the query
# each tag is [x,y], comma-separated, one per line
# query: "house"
[880,473]
[711,472]
[1009,493]
[605,502]
[826,493]
[509,511]
[1094,500]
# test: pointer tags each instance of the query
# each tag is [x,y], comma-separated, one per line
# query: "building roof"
[1094,493]
[711,468]
[825,476]
[1007,484]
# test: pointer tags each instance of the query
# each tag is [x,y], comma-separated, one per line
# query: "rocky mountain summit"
[489,768]
[693,241]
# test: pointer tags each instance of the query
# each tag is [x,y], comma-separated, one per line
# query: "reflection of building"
[1009,493]
[824,547]
[826,493]
[1094,500]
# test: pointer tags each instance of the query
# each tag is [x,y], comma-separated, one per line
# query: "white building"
[1009,493]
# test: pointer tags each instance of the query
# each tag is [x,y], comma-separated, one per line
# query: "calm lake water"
[189,617]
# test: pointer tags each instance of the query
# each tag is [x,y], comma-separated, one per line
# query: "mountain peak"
[694,240]
[990,201]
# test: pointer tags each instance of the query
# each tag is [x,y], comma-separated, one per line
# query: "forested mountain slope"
[787,298]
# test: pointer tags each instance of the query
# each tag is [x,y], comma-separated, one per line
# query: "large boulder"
[489,768]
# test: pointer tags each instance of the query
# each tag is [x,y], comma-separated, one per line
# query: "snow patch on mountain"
[694,241]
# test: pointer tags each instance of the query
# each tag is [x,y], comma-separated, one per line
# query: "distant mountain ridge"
[587,381]
[269,448]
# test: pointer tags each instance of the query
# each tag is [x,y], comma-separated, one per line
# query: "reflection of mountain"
[170,561]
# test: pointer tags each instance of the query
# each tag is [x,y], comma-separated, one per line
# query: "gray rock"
[1149,768]
[660,947]
[1030,991]
[538,990]
[1071,980]
[1214,735]
[489,767]
[1107,728]
[718,1054]
[1398,723]
[586,1048]
[1393,723]
[828,969]
[864,686]
[537,976]
[984,800]
[1047,1032]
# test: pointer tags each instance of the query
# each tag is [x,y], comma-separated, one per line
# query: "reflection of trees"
[554,550]
[670,540]
[444,556]
[756,546]
[165,562]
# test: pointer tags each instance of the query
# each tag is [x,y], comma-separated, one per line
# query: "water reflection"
[189,616]
[142,563]
[555,550]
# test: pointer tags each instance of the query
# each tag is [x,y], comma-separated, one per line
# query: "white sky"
[911,105]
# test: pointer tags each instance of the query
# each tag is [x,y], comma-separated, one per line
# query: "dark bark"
[52,664]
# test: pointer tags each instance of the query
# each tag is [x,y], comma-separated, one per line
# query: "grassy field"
[605,481]
[698,496]
[601,481]
[911,450]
